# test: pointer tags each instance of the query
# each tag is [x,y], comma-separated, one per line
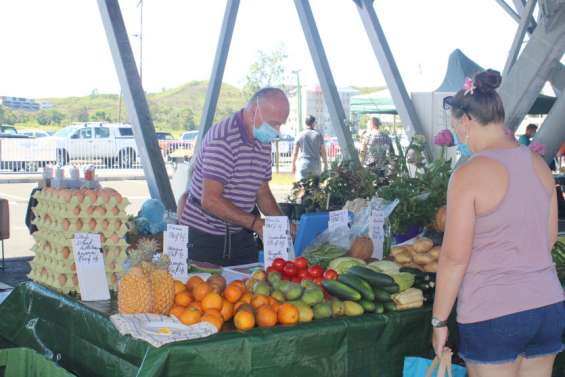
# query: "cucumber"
[376,279]
[359,285]
[391,288]
[414,271]
[389,307]
[379,308]
[340,290]
[382,296]
[368,306]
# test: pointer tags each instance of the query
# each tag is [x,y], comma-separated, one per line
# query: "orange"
[177,311]
[288,314]
[218,322]
[183,299]
[193,282]
[200,291]
[246,298]
[239,283]
[212,301]
[275,305]
[214,312]
[233,293]
[266,316]
[227,310]
[244,320]
[196,305]
[179,287]
[190,316]
[259,300]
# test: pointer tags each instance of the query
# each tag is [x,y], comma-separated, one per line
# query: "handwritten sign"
[338,219]
[376,232]
[90,267]
[175,245]
[276,238]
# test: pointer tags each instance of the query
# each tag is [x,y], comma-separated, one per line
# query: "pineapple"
[134,292]
[163,287]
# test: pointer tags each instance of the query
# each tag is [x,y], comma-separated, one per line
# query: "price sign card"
[376,232]
[175,245]
[338,219]
[90,267]
[276,238]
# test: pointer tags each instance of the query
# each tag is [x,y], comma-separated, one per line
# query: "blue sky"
[58,47]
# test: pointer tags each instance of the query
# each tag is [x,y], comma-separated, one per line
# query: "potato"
[431,267]
[423,259]
[423,245]
[434,252]
[394,251]
[403,257]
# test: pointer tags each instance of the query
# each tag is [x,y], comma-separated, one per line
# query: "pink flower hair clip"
[469,87]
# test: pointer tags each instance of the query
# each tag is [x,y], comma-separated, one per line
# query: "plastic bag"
[340,237]
[418,367]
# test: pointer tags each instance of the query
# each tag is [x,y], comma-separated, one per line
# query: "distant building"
[26,104]
[313,103]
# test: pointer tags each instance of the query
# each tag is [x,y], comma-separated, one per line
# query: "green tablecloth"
[82,338]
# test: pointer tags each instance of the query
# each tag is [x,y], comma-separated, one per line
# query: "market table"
[81,338]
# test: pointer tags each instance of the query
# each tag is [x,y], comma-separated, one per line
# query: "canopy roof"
[379,102]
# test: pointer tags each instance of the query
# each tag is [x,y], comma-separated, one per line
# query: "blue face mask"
[265,133]
[462,147]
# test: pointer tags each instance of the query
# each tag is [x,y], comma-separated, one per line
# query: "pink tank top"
[511,269]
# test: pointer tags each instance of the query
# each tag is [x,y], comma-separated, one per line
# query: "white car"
[34,133]
[111,143]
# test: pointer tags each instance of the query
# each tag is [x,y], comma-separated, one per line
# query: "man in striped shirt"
[231,176]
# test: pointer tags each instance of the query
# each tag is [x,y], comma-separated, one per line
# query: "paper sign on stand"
[90,267]
[276,239]
[338,219]
[377,232]
[175,245]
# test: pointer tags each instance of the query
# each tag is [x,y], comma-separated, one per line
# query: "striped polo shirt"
[226,155]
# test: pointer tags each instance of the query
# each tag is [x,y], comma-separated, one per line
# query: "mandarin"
[227,310]
[195,305]
[212,301]
[179,287]
[266,316]
[190,316]
[288,314]
[200,291]
[244,320]
[218,322]
[193,282]
[259,300]
[177,311]
[233,293]
[238,283]
[183,299]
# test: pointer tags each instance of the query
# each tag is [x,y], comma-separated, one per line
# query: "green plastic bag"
[20,362]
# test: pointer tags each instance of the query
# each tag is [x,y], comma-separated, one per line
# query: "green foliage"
[267,70]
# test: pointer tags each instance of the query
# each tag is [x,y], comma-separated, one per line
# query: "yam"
[431,267]
[403,257]
[423,259]
[423,245]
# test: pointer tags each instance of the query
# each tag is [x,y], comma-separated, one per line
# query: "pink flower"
[468,86]
[444,138]
[537,147]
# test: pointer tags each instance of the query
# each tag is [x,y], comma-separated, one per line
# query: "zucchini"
[391,288]
[379,308]
[340,290]
[382,296]
[376,279]
[389,307]
[359,285]
[368,306]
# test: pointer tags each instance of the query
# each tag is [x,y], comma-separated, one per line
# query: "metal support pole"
[522,85]
[509,10]
[557,79]
[402,101]
[520,5]
[519,37]
[331,96]
[138,110]
[552,133]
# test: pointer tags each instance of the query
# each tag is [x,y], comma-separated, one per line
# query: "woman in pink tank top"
[496,255]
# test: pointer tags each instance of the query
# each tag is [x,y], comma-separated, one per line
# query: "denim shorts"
[531,333]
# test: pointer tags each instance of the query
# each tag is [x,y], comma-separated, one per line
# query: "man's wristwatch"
[436,323]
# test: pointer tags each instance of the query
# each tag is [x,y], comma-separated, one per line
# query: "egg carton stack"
[60,213]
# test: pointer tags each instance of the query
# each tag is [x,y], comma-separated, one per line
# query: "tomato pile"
[299,270]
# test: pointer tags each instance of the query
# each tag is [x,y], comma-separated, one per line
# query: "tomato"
[278,264]
[316,271]
[318,280]
[271,269]
[330,274]
[301,263]
[290,269]
[296,279]
[303,274]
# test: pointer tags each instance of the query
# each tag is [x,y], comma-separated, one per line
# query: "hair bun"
[488,81]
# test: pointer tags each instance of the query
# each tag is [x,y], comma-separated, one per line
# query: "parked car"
[189,136]
[7,129]
[111,143]
[34,133]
